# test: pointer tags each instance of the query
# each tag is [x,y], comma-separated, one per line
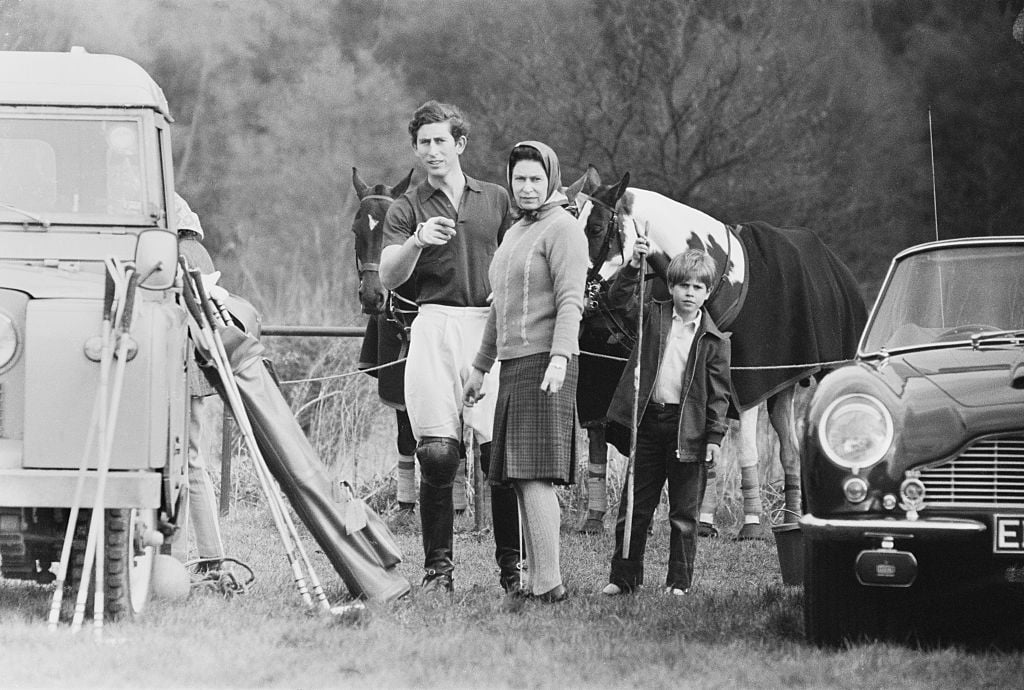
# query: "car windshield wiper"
[28,214]
[1011,334]
[1016,335]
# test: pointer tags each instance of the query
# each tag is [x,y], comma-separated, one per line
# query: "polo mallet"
[628,484]
[96,541]
[223,317]
[202,309]
[111,287]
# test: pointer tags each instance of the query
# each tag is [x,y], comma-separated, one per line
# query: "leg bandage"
[751,486]
[407,479]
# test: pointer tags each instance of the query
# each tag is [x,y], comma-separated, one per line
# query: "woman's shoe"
[553,596]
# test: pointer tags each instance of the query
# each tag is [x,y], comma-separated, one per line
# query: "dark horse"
[794,310]
[386,333]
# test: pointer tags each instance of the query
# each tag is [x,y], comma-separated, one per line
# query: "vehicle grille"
[989,473]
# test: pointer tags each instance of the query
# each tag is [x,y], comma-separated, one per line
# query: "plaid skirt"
[534,433]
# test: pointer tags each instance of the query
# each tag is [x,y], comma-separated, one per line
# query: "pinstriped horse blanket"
[803,307]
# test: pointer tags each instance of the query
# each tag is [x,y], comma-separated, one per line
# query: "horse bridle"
[370,267]
[400,316]
[612,225]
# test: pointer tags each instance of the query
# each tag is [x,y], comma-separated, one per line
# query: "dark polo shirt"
[454,274]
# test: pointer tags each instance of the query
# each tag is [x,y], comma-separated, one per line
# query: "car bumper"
[836,529]
[57,489]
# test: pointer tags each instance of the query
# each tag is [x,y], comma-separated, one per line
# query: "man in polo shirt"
[441,235]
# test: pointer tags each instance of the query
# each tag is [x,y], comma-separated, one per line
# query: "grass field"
[740,627]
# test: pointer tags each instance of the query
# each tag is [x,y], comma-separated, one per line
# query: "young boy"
[683,402]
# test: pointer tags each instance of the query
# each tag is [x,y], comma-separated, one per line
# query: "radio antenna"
[935,199]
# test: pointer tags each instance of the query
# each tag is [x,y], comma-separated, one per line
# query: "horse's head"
[597,206]
[374,201]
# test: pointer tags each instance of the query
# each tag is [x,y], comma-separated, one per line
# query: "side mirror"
[156,258]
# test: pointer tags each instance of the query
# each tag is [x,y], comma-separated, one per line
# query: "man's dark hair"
[432,112]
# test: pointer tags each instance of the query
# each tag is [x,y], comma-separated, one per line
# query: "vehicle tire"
[837,608]
[128,563]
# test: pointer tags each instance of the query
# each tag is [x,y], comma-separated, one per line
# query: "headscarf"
[187,218]
[556,197]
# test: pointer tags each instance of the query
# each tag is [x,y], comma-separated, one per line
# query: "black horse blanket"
[803,307]
[384,343]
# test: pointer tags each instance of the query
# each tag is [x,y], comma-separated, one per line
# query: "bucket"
[790,544]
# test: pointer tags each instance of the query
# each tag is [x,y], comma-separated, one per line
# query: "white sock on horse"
[407,491]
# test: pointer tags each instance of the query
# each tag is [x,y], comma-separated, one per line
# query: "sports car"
[913,456]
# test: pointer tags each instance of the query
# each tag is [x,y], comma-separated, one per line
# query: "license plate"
[1008,535]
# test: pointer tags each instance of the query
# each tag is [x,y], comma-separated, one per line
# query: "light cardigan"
[538,276]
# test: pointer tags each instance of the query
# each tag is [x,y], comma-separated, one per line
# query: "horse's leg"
[782,411]
[750,483]
[597,484]
[404,517]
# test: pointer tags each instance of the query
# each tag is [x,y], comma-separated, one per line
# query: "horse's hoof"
[706,529]
[592,526]
[403,520]
[749,531]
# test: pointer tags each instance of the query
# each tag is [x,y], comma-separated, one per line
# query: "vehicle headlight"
[856,431]
[8,341]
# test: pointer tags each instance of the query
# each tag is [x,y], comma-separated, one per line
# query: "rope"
[221,580]
[346,374]
[763,367]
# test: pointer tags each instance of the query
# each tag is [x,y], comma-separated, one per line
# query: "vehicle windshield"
[77,170]
[948,295]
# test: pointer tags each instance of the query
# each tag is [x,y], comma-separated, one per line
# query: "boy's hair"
[432,112]
[693,264]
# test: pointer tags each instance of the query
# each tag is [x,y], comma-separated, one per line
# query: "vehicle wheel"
[837,608]
[128,562]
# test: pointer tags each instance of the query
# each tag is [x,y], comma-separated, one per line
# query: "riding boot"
[439,461]
[437,517]
[505,519]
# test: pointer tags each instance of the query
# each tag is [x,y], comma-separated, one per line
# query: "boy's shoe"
[435,582]
[612,590]
[676,591]
[706,529]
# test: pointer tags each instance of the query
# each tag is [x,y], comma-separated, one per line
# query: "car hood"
[972,378]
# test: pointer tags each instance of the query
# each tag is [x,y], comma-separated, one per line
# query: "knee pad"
[439,460]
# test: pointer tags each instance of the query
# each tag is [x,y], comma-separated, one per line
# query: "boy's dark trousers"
[656,462]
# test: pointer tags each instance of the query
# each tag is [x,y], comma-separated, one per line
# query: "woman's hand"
[554,377]
[471,392]
[640,248]
[712,454]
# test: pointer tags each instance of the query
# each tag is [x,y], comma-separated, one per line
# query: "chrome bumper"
[840,529]
[56,489]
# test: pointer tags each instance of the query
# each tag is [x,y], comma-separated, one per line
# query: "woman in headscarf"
[537,275]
